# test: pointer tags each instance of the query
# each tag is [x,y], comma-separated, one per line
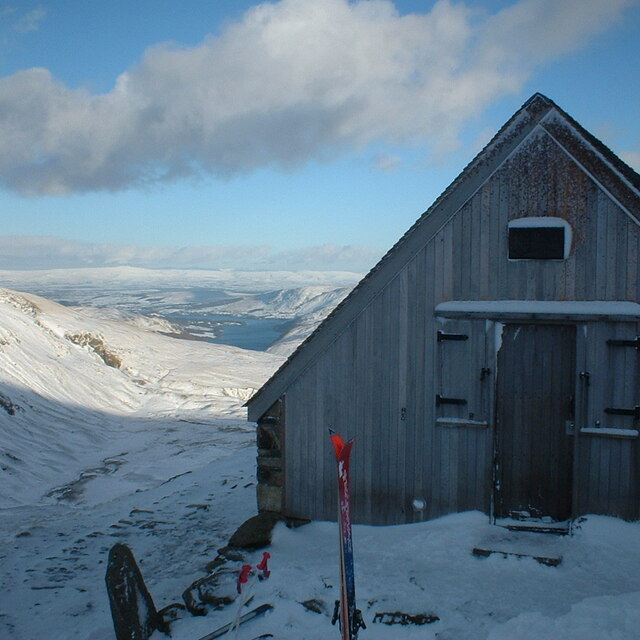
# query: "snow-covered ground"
[155,452]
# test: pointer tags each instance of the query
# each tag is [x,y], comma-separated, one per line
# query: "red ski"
[349,617]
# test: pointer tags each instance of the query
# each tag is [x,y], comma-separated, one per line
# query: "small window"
[539,239]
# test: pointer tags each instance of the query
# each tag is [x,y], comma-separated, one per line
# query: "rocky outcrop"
[96,344]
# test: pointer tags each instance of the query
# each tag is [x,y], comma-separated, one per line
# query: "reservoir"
[245,332]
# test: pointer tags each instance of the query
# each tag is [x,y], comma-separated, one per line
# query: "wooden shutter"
[613,382]
[462,376]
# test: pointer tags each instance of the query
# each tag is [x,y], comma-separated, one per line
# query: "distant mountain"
[302,302]
[120,278]
[190,302]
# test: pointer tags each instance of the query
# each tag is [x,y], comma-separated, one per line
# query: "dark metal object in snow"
[549,561]
[397,617]
[254,613]
[134,615]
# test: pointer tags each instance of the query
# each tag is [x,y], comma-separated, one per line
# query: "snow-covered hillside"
[307,306]
[72,385]
[289,303]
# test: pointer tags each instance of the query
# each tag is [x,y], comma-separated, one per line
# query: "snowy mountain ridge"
[134,277]
[301,302]
[69,381]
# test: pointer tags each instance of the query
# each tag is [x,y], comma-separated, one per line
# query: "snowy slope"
[309,306]
[289,303]
[63,400]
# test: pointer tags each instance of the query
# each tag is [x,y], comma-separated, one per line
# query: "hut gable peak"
[538,115]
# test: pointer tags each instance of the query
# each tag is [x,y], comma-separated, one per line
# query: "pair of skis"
[227,628]
[345,611]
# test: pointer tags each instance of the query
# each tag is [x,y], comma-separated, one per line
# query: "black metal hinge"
[635,412]
[442,400]
[625,343]
[451,336]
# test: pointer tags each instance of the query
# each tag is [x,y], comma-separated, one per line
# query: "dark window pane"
[536,243]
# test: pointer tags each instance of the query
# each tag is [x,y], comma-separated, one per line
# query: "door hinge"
[625,343]
[442,400]
[451,336]
[635,412]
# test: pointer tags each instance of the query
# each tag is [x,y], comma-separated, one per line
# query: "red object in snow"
[243,578]
[263,566]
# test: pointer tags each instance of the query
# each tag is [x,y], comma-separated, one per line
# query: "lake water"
[245,332]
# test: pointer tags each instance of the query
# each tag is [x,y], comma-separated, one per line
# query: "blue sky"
[301,134]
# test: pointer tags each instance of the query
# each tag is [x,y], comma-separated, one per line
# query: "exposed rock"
[217,589]
[134,615]
[229,554]
[315,605]
[294,523]
[171,612]
[398,617]
[194,607]
[97,344]
[9,406]
[214,564]
[220,590]
[255,533]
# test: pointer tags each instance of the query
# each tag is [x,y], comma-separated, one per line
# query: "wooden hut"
[490,361]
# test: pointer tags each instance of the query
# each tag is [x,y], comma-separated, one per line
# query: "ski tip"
[341,448]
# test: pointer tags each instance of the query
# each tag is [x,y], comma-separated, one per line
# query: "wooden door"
[534,404]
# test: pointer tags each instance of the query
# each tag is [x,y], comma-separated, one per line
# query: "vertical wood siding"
[377,381]
[608,477]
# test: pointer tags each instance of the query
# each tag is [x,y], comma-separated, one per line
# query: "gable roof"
[616,178]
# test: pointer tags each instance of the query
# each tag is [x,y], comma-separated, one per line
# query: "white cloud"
[294,80]
[31,20]
[386,162]
[46,252]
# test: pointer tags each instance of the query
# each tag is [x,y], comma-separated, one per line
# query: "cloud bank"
[46,252]
[294,80]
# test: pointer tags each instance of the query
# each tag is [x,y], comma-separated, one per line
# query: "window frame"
[540,222]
